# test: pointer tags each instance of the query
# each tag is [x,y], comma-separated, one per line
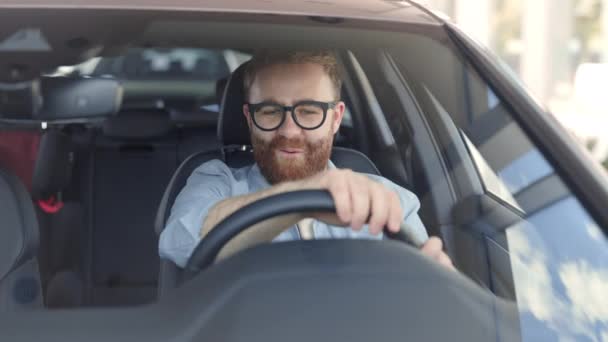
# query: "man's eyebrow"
[273,100]
[307,99]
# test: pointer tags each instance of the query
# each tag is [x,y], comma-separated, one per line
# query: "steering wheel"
[304,201]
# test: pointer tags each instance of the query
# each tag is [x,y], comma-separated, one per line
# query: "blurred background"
[557,48]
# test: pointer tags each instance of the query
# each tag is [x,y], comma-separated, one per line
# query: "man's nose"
[289,128]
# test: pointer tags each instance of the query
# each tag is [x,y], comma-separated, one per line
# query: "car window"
[176,63]
[175,79]
[556,253]
[559,256]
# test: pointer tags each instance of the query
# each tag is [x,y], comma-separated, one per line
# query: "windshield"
[415,107]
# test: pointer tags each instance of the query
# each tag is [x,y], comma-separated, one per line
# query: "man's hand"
[433,248]
[358,198]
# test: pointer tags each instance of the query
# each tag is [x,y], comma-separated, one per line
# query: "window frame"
[585,178]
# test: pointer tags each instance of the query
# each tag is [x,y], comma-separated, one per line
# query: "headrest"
[232,126]
[138,125]
[220,89]
[19,236]
[53,168]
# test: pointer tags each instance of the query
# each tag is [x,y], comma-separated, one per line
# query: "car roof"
[34,27]
[381,10]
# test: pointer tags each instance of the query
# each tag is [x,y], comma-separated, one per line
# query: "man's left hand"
[433,248]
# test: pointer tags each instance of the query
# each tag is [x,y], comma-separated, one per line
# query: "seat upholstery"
[135,157]
[19,238]
[53,167]
[236,151]
[60,247]
[129,125]
[232,128]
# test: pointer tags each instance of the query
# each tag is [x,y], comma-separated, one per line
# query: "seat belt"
[305,229]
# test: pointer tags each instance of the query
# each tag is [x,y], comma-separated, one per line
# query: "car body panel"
[400,11]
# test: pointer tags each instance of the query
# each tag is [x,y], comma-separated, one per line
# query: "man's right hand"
[357,198]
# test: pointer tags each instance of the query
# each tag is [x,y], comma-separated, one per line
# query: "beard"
[276,170]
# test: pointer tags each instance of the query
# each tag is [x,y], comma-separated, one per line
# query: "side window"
[536,239]
[558,255]
[235,58]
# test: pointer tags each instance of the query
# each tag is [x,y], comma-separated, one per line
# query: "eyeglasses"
[309,115]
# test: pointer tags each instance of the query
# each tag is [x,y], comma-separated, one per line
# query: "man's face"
[291,152]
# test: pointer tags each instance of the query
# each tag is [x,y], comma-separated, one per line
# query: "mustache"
[283,142]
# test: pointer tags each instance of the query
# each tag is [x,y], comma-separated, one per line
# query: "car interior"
[100,185]
[103,185]
[96,184]
[101,124]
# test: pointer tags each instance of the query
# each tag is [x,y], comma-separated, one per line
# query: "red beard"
[277,170]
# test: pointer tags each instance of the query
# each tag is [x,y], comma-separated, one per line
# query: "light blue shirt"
[214,181]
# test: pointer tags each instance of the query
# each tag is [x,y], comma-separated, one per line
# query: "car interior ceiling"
[100,249]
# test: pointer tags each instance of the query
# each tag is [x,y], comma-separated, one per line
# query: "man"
[293,112]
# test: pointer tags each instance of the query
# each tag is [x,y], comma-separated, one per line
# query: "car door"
[521,226]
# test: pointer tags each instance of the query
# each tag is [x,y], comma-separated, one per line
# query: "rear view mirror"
[60,99]
[73,98]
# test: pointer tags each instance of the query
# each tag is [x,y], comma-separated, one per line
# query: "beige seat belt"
[305,229]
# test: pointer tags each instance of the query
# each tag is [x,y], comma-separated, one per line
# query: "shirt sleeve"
[209,184]
[410,205]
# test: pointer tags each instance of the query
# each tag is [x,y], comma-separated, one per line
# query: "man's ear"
[339,109]
[247,115]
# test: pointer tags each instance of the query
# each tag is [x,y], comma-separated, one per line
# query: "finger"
[395,212]
[445,260]
[432,247]
[339,189]
[359,192]
[379,206]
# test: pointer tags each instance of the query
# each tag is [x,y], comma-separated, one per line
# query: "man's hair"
[265,58]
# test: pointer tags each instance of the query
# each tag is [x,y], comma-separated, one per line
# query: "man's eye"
[270,112]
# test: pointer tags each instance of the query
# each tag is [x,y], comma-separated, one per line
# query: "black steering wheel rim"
[303,201]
